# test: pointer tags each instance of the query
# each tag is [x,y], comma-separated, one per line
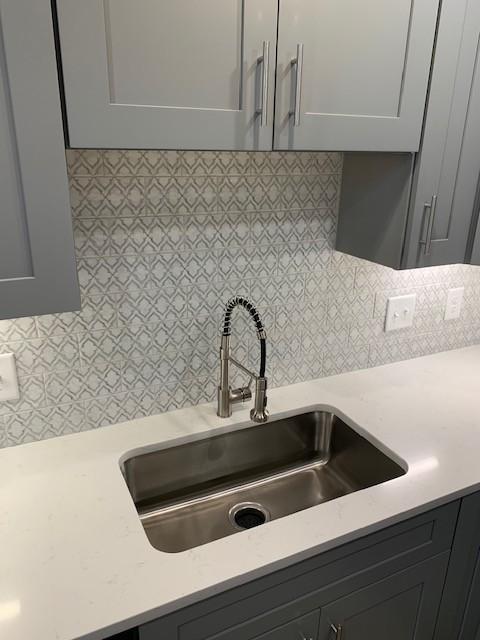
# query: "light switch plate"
[400,312]
[453,308]
[8,378]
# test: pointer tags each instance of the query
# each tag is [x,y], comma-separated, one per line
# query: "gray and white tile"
[32,396]
[100,197]
[45,423]
[163,239]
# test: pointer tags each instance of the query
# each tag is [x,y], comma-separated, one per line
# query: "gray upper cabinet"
[468,189]
[449,163]
[193,74]
[405,211]
[353,75]
[37,264]
[204,74]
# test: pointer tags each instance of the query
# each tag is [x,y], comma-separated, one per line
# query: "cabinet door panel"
[37,263]
[364,77]
[401,607]
[168,73]
[451,142]
[14,249]
[193,72]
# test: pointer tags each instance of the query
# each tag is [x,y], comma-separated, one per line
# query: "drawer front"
[297,591]
[304,628]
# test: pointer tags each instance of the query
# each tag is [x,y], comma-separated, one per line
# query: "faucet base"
[259,417]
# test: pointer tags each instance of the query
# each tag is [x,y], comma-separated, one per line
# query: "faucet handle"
[259,412]
[242,394]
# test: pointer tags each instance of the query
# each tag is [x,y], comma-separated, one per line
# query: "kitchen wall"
[163,239]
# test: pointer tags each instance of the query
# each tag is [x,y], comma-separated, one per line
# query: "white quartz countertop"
[74,559]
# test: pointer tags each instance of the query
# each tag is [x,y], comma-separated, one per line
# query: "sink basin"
[194,493]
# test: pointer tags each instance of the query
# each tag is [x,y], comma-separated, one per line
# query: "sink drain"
[247,515]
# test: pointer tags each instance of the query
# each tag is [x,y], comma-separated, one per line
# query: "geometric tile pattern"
[163,239]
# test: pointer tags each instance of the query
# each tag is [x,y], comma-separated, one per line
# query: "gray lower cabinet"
[405,211]
[417,580]
[460,612]
[401,607]
[385,585]
[37,264]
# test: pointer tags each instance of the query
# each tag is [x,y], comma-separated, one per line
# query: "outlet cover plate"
[8,378]
[400,312]
[453,308]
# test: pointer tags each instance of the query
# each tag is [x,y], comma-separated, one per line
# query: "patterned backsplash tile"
[163,239]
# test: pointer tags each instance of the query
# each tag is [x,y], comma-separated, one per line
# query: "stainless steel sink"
[194,493]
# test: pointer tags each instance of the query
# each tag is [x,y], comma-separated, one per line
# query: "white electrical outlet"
[453,308]
[8,378]
[400,312]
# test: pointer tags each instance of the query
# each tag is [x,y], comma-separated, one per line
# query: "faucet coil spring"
[227,396]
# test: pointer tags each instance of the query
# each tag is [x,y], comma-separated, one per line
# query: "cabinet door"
[353,75]
[195,74]
[37,264]
[447,169]
[401,607]
[463,221]
[459,617]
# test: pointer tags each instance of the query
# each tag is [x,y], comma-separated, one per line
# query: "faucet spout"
[226,395]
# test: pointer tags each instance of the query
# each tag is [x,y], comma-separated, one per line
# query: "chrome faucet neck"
[226,396]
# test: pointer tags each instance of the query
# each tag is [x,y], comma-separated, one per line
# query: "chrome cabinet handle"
[427,243]
[264,60]
[337,630]
[298,63]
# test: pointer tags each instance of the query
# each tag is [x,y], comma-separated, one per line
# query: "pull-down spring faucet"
[228,396]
